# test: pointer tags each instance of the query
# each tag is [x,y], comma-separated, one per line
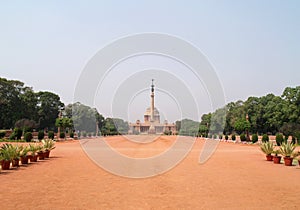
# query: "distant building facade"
[151,124]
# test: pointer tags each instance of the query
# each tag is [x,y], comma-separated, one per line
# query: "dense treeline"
[19,102]
[22,108]
[267,114]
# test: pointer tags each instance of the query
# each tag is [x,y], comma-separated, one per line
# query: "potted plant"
[40,152]
[33,149]
[16,152]
[48,146]
[287,150]
[12,152]
[276,157]
[24,155]
[267,148]
[5,156]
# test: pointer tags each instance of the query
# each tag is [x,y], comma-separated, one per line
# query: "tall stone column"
[152,128]
[152,102]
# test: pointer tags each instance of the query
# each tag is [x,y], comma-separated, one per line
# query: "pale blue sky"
[253,45]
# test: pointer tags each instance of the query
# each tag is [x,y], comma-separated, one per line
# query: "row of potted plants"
[287,150]
[14,154]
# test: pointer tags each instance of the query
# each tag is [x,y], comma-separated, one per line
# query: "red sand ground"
[236,177]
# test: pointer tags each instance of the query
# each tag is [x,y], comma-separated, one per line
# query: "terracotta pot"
[33,158]
[15,163]
[24,160]
[5,164]
[47,153]
[276,159]
[41,155]
[269,157]
[29,157]
[288,161]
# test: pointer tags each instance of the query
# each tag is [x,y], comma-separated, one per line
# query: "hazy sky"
[253,45]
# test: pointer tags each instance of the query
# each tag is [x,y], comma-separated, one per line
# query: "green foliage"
[25,125]
[19,102]
[217,121]
[287,149]
[279,139]
[233,137]
[12,136]
[220,136]
[267,148]
[7,152]
[226,137]
[48,109]
[243,137]
[51,135]
[33,149]
[84,118]
[203,130]
[48,144]
[28,136]
[120,125]
[72,134]
[11,108]
[188,127]
[62,135]
[178,125]
[167,132]
[18,133]
[109,127]
[84,134]
[241,125]
[265,138]
[41,134]
[267,114]
[24,151]
[64,123]
[2,134]
[254,138]
[291,129]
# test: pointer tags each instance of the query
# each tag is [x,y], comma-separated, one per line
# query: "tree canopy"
[20,102]
[267,114]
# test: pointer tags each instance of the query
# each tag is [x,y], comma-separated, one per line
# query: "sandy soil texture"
[235,177]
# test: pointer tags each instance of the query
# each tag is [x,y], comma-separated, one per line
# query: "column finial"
[152,86]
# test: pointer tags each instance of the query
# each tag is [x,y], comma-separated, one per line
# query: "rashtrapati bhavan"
[151,124]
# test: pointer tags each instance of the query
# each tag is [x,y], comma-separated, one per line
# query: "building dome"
[148,111]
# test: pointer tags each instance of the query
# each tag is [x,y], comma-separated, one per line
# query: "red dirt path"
[236,177]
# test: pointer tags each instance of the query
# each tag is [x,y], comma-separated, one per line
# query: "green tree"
[241,125]
[10,102]
[292,97]
[26,124]
[64,123]
[121,126]
[109,127]
[218,120]
[178,125]
[48,107]
[189,127]
[84,117]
